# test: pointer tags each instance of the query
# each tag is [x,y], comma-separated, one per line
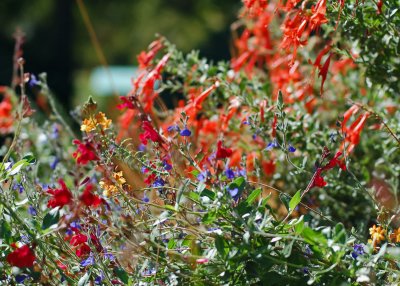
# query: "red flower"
[61,197]
[334,161]
[318,180]
[21,257]
[269,167]
[84,153]
[149,133]
[222,152]
[83,250]
[77,239]
[90,199]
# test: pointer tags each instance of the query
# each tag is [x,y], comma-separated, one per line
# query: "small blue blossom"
[173,128]
[254,136]
[233,192]
[56,132]
[272,145]
[99,278]
[202,177]
[88,261]
[167,166]
[185,132]
[33,81]
[32,211]
[21,278]
[241,172]
[53,164]
[109,256]
[75,224]
[291,149]
[146,199]
[20,187]
[142,147]
[358,250]
[158,183]
[246,122]
[229,173]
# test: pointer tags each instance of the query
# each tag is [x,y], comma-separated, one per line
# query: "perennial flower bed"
[279,167]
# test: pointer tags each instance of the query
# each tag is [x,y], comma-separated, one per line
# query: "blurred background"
[57,40]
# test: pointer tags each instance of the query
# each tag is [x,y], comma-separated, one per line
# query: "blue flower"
[88,261]
[254,136]
[33,81]
[99,278]
[109,256]
[21,278]
[272,145]
[32,211]
[185,132]
[202,177]
[229,173]
[158,183]
[53,165]
[233,192]
[20,187]
[358,250]
[146,199]
[291,149]
[167,166]
[173,128]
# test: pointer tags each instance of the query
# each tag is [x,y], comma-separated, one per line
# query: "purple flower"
[21,278]
[20,187]
[173,128]
[56,132]
[272,145]
[167,166]
[202,177]
[185,132]
[142,147]
[158,183]
[88,261]
[53,165]
[32,211]
[358,250]
[229,173]
[109,256]
[241,172]
[75,224]
[144,170]
[291,149]
[33,81]
[233,192]
[99,278]
[146,199]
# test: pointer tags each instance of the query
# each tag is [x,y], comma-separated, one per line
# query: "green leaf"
[295,200]
[253,196]
[84,279]
[122,274]
[208,193]
[170,208]
[16,168]
[340,233]
[30,159]
[285,200]
[5,231]
[209,217]
[222,246]
[50,219]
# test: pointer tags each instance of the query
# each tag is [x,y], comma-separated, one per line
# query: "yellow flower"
[395,236]
[119,177]
[109,188]
[88,125]
[377,235]
[103,120]
[91,123]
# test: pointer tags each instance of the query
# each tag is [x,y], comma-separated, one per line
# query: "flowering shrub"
[279,167]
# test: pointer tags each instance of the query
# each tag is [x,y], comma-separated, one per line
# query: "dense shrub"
[280,167]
